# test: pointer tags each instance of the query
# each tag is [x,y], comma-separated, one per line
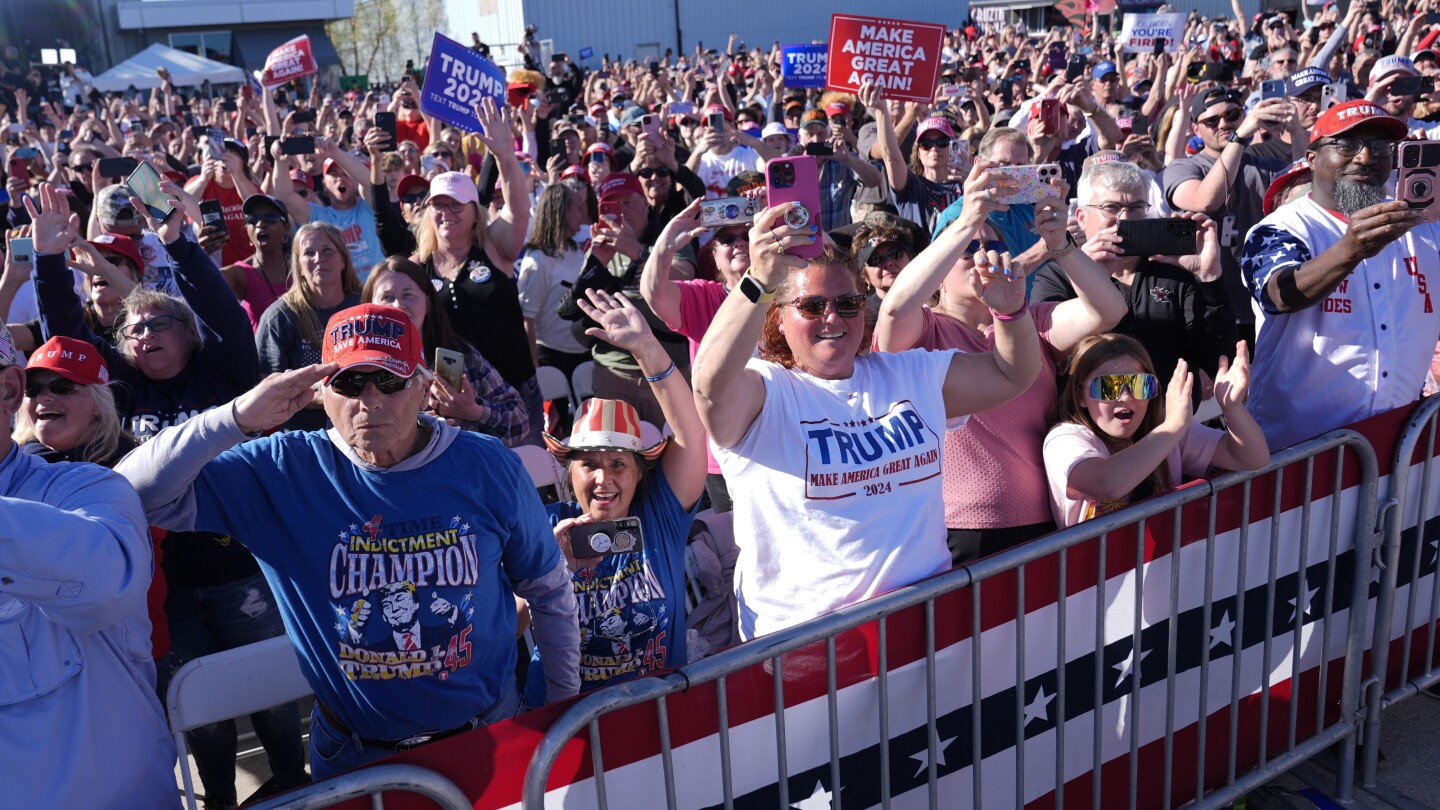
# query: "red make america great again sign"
[902,58]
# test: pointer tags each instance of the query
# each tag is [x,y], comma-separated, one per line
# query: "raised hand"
[1178,414]
[1232,383]
[621,324]
[279,397]
[55,227]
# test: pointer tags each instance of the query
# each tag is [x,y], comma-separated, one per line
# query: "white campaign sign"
[1140,31]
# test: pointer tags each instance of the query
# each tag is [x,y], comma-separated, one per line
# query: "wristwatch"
[754,290]
[1235,138]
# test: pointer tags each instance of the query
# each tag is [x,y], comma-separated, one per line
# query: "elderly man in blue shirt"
[80,725]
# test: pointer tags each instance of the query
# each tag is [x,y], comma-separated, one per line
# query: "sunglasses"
[976,246]
[1229,116]
[1110,387]
[60,388]
[599,157]
[879,257]
[646,174]
[83,167]
[934,143]
[414,199]
[350,384]
[268,219]
[156,325]
[813,307]
[728,239]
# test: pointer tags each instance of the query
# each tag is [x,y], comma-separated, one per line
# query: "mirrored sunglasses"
[1110,387]
[846,306]
[351,384]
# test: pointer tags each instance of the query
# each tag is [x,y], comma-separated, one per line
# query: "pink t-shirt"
[1069,443]
[699,301]
[993,476]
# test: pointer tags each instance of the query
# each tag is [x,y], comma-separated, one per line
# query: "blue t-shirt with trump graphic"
[631,606]
[395,586]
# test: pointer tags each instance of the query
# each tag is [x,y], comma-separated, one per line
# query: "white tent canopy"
[186,69]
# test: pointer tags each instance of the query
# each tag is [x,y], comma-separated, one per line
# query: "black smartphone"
[270,144]
[1413,86]
[1432,17]
[304,117]
[198,132]
[970,74]
[298,145]
[1164,236]
[212,213]
[117,166]
[606,537]
[385,121]
[1075,68]
[557,147]
[1160,43]
[717,121]
[229,106]
[819,150]
[251,132]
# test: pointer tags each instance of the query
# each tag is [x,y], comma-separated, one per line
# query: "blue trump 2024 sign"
[456,80]
[803,66]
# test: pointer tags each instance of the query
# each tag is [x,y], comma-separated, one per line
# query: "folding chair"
[650,435]
[544,472]
[231,684]
[553,385]
[582,381]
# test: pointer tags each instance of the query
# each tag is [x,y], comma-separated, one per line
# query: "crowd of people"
[333,319]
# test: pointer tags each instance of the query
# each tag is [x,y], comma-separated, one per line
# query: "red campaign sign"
[900,57]
[289,61]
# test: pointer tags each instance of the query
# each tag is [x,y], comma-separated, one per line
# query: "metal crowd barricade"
[1299,745]
[1393,517]
[372,782]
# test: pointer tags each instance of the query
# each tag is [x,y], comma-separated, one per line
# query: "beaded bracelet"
[662,375]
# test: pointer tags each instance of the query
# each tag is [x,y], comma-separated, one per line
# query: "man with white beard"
[1340,280]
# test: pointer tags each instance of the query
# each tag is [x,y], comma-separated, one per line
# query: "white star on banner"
[924,756]
[1224,632]
[1130,661]
[465,527]
[342,535]
[819,800]
[1303,606]
[1039,708]
[354,527]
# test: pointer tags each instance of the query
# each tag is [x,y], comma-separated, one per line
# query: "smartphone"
[681,108]
[229,106]
[954,91]
[819,150]
[612,210]
[716,121]
[298,145]
[270,144]
[1049,112]
[19,167]
[117,166]
[1332,94]
[1030,184]
[27,153]
[16,129]
[970,74]
[1075,68]
[1157,237]
[1413,86]
[606,537]
[214,143]
[22,251]
[427,164]
[728,211]
[1274,88]
[1431,18]
[212,213]
[650,123]
[1160,43]
[251,132]
[199,131]
[145,182]
[450,366]
[385,121]
[796,180]
[1419,174]
[303,117]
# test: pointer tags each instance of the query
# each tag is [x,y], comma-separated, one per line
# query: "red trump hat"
[373,335]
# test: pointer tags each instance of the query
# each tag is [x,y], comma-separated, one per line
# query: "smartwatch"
[754,290]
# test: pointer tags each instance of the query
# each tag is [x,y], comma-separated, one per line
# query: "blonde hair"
[101,442]
[143,297]
[300,298]
[427,241]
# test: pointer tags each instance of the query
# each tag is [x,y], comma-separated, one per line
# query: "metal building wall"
[626,27]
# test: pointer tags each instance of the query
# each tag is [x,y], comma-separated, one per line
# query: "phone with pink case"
[796,180]
[1030,184]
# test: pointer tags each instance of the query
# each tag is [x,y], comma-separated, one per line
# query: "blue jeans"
[332,752]
[223,617]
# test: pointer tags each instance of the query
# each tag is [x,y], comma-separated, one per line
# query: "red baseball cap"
[299,176]
[373,335]
[120,246]
[575,170]
[1351,114]
[75,360]
[617,184]
[1299,172]
[837,108]
[409,183]
[720,108]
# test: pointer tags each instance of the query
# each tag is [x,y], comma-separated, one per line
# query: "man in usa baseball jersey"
[1340,282]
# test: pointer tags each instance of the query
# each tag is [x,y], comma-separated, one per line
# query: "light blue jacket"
[80,725]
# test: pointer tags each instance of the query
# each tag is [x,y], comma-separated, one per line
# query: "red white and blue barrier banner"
[1107,670]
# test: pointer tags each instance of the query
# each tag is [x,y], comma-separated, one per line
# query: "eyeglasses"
[1229,117]
[813,307]
[448,208]
[156,325]
[1112,210]
[990,245]
[659,171]
[83,167]
[879,257]
[1350,147]
[60,388]
[415,199]
[934,143]
[728,239]
[1110,387]
[268,219]
[351,384]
